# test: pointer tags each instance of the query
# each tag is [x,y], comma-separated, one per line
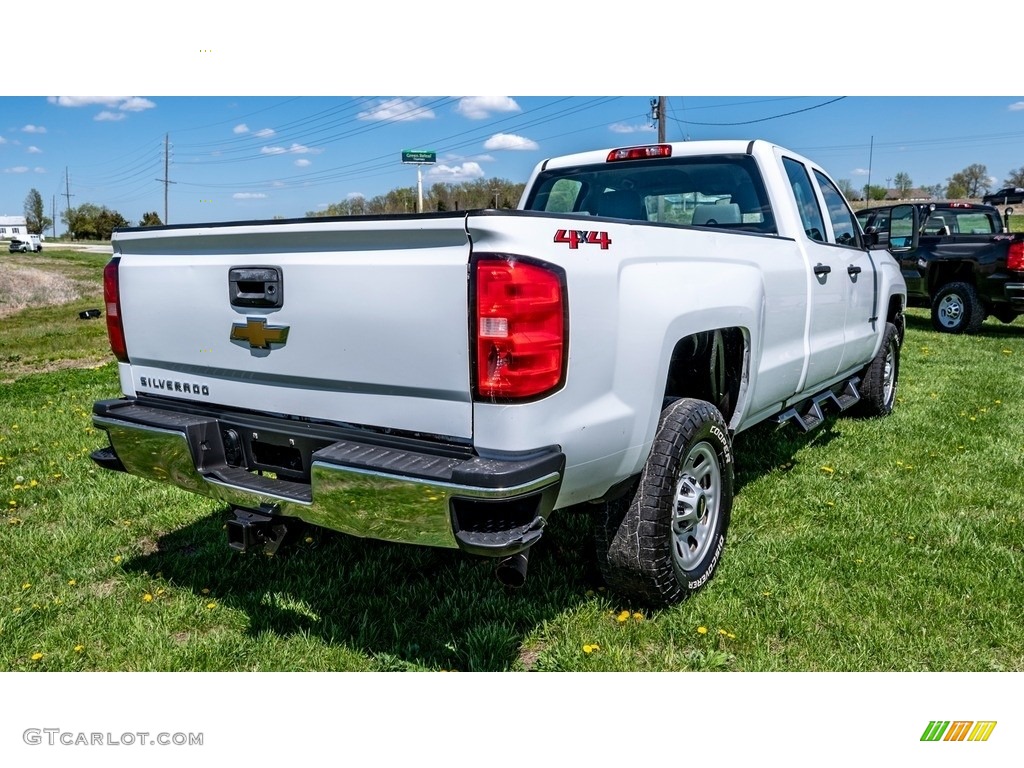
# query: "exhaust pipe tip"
[511,571]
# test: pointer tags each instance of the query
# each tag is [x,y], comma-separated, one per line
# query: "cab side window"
[844,225]
[806,202]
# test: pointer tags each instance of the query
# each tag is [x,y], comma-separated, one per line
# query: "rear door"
[357,321]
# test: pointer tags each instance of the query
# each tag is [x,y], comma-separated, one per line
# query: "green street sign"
[417,156]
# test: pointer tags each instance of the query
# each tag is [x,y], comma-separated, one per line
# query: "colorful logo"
[958,730]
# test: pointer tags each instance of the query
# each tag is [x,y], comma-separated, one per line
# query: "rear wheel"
[957,309]
[664,543]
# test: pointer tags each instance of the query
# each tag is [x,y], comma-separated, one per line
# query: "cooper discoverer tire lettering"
[668,542]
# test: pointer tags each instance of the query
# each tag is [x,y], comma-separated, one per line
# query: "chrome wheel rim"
[695,507]
[889,372]
[951,310]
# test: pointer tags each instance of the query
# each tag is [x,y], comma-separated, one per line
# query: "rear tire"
[665,542]
[957,309]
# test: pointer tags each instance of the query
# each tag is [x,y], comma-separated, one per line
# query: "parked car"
[1005,196]
[20,246]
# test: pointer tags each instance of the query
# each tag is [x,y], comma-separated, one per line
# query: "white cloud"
[39,169]
[34,129]
[354,195]
[398,110]
[623,128]
[241,128]
[1017,106]
[136,104]
[121,103]
[509,141]
[3,140]
[303,162]
[17,169]
[482,107]
[859,172]
[264,133]
[248,195]
[86,101]
[295,149]
[455,173]
[34,151]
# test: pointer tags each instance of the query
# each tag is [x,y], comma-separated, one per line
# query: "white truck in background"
[453,379]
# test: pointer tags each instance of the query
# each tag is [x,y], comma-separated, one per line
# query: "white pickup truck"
[452,379]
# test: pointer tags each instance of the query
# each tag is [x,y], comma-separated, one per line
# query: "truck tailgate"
[374,311]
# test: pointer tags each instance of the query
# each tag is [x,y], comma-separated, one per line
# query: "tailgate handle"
[255,287]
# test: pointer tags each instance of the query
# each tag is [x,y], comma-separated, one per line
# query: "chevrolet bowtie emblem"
[259,334]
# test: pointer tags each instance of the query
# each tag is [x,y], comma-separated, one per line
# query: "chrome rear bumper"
[410,494]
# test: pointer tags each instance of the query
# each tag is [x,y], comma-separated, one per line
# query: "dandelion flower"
[829,470]
[26,585]
[624,616]
[79,648]
[722,632]
[34,483]
[309,539]
[702,630]
[71,582]
[210,606]
[37,656]
[147,598]
[638,617]
[117,558]
[591,647]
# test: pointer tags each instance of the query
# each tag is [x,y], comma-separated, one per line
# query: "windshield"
[710,190]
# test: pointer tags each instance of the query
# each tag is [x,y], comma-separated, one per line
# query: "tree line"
[481,193]
[973,181]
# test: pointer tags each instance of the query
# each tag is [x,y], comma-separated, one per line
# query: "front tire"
[957,309]
[880,377]
[667,543]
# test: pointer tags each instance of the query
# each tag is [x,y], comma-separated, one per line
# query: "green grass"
[892,544]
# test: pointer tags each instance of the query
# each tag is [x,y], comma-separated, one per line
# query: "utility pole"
[53,215]
[166,179]
[871,154]
[658,116]
[67,195]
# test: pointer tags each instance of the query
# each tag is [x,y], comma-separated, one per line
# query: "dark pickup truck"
[959,259]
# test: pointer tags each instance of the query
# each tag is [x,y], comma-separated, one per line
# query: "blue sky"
[258,157]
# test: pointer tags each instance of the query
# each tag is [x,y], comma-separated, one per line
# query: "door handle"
[853,270]
[822,269]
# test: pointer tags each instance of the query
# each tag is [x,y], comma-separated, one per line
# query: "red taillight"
[640,153]
[1015,257]
[112,298]
[520,328]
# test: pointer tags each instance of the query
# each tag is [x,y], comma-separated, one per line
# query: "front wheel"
[957,309]
[880,377]
[668,542]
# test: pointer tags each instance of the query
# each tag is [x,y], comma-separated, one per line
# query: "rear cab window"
[722,191]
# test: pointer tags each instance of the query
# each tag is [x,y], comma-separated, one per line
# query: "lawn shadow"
[404,607]
[769,446]
[993,329]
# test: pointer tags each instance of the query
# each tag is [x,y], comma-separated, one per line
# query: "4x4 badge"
[259,334]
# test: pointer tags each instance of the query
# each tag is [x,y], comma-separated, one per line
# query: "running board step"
[810,413]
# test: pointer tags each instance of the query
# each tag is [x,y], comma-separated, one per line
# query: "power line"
[763,119]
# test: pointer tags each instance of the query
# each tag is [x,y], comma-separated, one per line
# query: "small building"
[13,227]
